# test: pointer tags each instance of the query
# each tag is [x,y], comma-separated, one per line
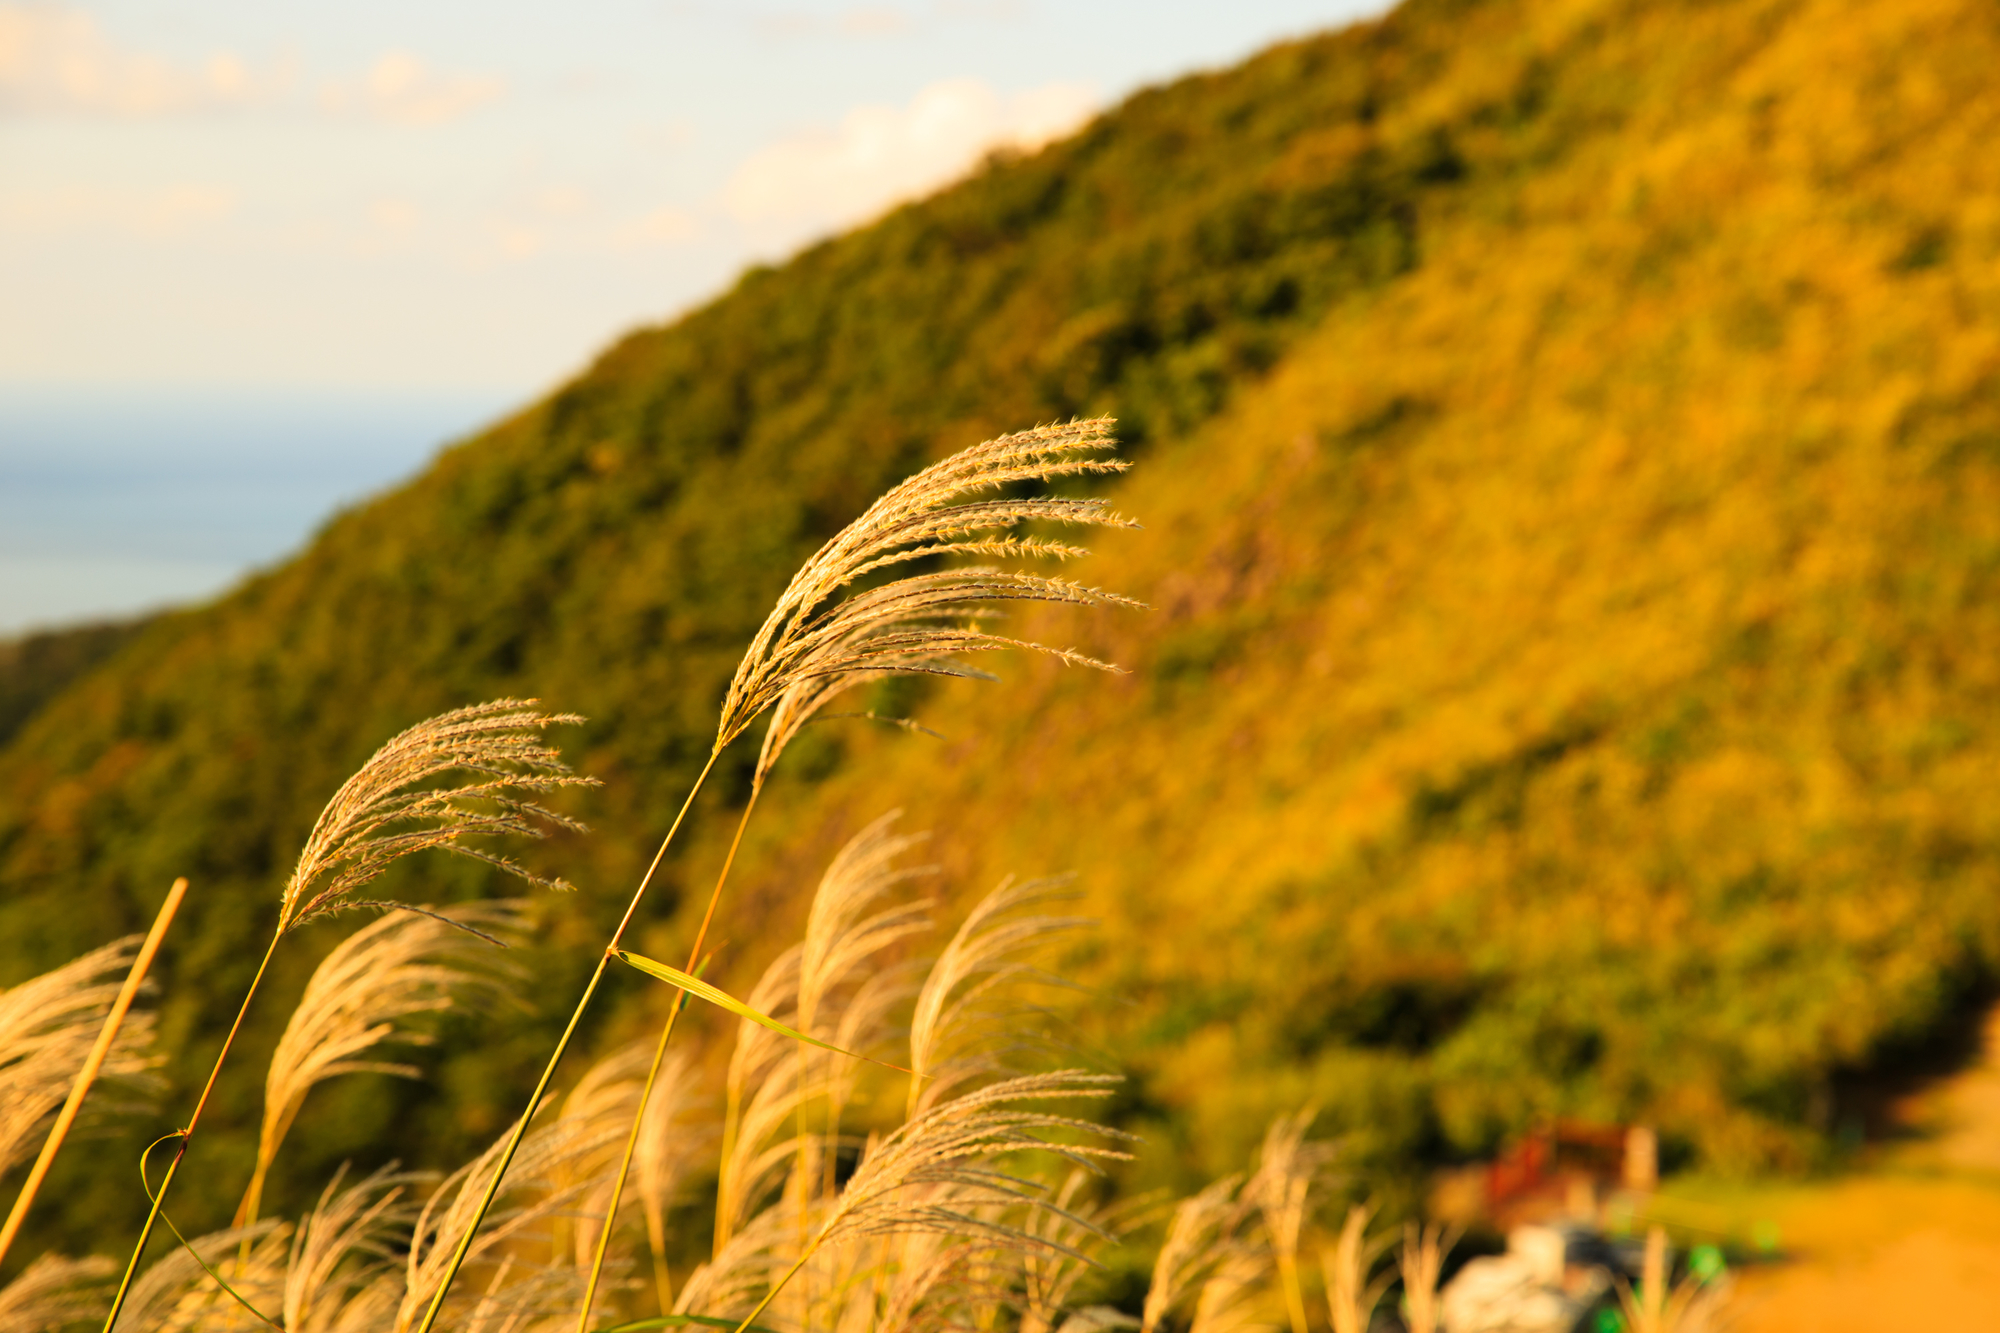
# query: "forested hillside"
[1569,442]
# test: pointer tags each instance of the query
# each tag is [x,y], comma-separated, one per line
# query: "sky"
[309,243]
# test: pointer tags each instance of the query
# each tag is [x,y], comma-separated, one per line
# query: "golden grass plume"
[53,1293]
[394,806]
[1351,1295]
[363,997]
[47,1027]
[822,637]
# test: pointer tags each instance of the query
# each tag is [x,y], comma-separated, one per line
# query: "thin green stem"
[548,1074]
[653,1074]
[187,1136]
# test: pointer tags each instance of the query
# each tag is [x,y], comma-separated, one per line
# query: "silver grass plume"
[1351,1297]
[53,1292]
[664,1157]
[958,1013]
[363,997]
[341,1273]
[822,987]
[603,1101]
[394,805]
[174,1295]
[1288,1171]
[822,637]
[1077,1231]
[1228,1299]
[559,1166]
[944,1173]
[1205,1235]
[47,1027]
[1422,1264]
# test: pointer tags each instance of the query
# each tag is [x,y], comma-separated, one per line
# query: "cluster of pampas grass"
[984,1208]
[979,1209]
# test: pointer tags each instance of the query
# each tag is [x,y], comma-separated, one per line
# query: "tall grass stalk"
[555,1059]
[94,1062]
[822,638]
[390,808]
[653,1077]
[186,1136]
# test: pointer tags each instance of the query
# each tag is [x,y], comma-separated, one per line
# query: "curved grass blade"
[193,1254]
[673,976]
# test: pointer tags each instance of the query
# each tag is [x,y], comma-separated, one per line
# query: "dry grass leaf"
[822,637]
[395,804]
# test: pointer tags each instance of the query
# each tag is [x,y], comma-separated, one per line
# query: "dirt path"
[1909,1241]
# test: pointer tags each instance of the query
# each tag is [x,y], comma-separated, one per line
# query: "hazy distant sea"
[116,502]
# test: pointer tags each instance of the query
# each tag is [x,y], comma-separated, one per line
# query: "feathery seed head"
[821,639]
[47,1027]
[54,1293]
[390,807]
[365,995]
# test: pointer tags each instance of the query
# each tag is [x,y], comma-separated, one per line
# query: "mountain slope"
[1570,447]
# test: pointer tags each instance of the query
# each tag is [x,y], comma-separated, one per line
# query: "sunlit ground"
[1908,1240]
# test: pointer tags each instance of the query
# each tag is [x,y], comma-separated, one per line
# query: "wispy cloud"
[880,155]
[57,60]
[402,89]
[173,211]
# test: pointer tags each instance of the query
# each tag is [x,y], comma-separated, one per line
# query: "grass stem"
[653,1074]
[87,1076]
[548,1074]
[187,1136]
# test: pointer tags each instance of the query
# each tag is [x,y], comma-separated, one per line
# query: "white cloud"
[56,59]
[882,155]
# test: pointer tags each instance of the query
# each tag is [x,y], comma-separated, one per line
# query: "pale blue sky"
[264,244]
[266,192]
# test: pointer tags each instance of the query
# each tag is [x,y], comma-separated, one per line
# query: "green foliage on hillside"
[1570,442]
[36,667]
